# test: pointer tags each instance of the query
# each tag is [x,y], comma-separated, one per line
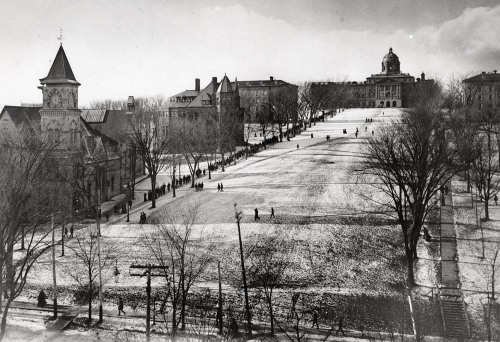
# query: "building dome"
[390,63]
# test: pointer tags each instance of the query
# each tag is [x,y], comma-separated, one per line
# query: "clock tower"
[60,116]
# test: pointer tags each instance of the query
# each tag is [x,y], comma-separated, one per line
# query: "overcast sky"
[118,48]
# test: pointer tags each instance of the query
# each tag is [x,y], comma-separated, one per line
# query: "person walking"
[297,146]
[221,187]
[315,318]
[71,229]
[65,232]
[496,199]
[272,213]
[341,326]
[257,218]
[120,306]
[218,187]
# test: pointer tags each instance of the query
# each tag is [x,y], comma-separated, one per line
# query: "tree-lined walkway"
[452,307]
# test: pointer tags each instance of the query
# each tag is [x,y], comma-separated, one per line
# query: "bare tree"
[412,160]
[267,266]
[485,166]
[283,107]
[145,138]
[26,205]
[86,270]
[178,246]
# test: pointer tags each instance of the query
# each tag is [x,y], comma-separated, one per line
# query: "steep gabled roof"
[225,86]
[198,101]
[19,115]
[60,72]
[114,123]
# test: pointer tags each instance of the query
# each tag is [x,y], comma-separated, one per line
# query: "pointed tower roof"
[225,86]
[60,72]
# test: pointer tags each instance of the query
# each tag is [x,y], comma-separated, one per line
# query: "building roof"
[391,56]
[187,93]
[484,77]
[202,96]
[112,123]
[225,86]
[23,115]
[93,115]
[60,72]
[263,83]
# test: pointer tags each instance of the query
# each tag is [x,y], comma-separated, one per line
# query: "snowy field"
[343,245]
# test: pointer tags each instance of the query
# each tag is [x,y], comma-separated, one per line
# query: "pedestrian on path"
[315,318]
[257,218]
[272,213]
[496,199]
[218,187]
[341,326]
[297,146]
[120,306]
[66,232]
[71,229]
[221,187]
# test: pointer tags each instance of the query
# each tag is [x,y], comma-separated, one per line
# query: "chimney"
[130,105]
[423,76]
[214,84]
[271,78]
[197,84]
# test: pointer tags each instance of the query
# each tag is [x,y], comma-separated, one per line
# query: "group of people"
[257,217]
[368,120]
[71,231]
[315,317]
[198,186]
[142,218]
[220,187]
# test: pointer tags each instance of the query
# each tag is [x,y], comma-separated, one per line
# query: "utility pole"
[238,216]
[62,235]
[54,266]
[219,311]
[99,250]
[147,273]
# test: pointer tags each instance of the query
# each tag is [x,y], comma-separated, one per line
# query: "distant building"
[214,99]
[483,90]
[255,95]
[389,88]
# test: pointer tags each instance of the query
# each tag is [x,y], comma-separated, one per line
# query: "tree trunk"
[223,162]
[173,187]
[280,130]
[153,190]
[3,324]
[270,303]
[90,296]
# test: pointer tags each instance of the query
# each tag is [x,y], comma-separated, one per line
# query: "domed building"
[389,88]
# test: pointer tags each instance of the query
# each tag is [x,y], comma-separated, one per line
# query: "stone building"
[389,88]
[90,158]
[483,90]
[255,96]
[217,99]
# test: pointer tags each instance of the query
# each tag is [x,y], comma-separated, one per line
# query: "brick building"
[483,90]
